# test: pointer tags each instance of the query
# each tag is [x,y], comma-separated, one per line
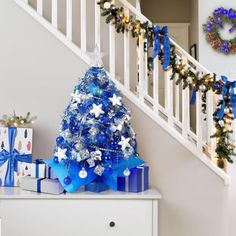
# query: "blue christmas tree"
[96,142]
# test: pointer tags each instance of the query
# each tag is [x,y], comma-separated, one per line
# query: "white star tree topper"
[124,143]
[61,154]
[97,110]
[96,57]
[115,100]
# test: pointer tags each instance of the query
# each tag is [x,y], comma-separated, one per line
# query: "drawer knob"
[112,224]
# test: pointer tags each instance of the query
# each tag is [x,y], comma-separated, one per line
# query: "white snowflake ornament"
[61,154]
[115,100]
[124,143]
[97,110]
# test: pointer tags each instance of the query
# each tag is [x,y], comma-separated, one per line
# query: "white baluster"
[199,120]
[177,108]
[169,93]
[127,55]
[210,124]
[83,22]
[156,86]
[141,68]
[69,19]
[185,109]
[145,70]
[98,25]
[55,13]
[40,7]
[112,59]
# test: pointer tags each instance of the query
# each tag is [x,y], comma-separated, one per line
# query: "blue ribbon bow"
[13,156]
[157,45]
[227,87]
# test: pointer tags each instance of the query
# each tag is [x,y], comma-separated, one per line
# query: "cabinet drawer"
[76,217]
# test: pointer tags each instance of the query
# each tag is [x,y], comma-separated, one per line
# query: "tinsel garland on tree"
[189,79]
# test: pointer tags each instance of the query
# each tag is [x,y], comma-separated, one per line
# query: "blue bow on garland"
[13,156]
[157,45]
[228,87]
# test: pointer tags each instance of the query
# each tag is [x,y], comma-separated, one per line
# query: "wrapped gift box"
[50,174]
[50,186]
[15,147]
[136,182]
[38,169]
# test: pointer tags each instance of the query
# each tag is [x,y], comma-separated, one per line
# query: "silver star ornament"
[97,110]
[124,143]
[115,100]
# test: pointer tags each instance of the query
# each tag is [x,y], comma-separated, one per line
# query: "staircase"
[128,65]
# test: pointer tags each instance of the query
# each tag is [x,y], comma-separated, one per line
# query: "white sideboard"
[110,213]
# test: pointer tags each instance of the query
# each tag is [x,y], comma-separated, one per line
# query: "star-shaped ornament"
[96,57]
[77,97]
[115,100]
[116,128]
[97,110]
[124,143]
[61,154]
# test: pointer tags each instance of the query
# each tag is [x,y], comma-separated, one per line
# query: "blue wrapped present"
[137,181]
[16,146]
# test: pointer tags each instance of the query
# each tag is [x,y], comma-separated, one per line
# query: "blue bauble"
[114,145]
[101,138]
[73,129]
[103,86]
[55,159]
[119,114]
[67,180]
[108,94]
[118,19]
[64,125]
[60,140]
[105,119]
[89,102]
[105,103]
[82,109]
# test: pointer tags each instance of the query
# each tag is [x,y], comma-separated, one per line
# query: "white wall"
[193,32]
[214,61]
[37,74]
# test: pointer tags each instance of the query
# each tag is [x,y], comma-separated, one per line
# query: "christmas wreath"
[216,22]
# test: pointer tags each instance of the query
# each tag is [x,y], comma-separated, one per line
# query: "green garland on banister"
[194,81]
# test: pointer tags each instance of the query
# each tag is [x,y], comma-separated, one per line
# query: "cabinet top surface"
[18,193]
